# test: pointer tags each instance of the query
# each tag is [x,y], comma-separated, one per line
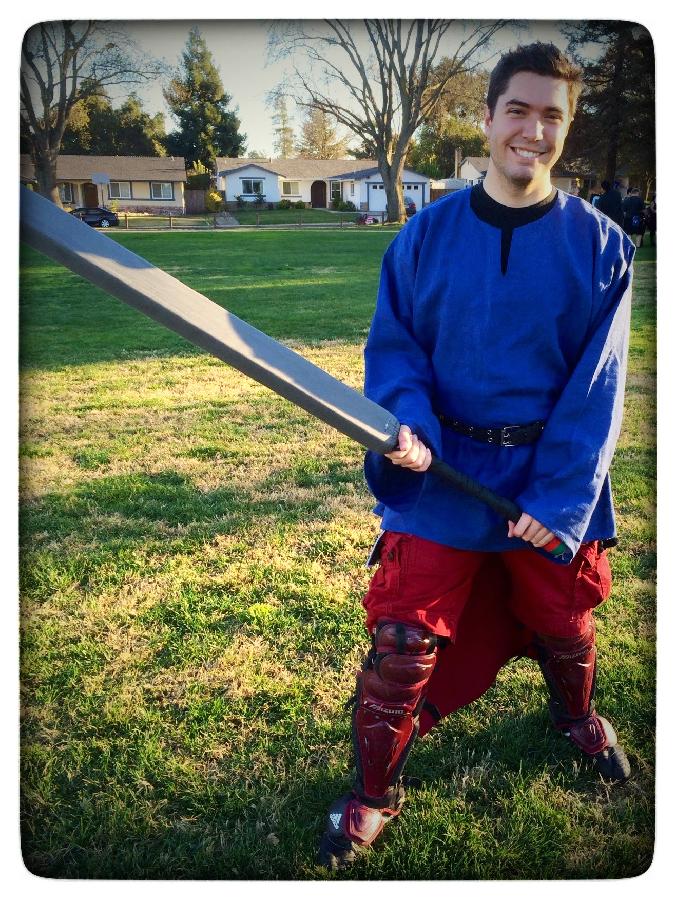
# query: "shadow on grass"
[129,508]
[476,823]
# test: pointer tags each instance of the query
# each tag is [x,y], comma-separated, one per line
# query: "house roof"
[480,163]
[251,164]
[72,167]
[303,168]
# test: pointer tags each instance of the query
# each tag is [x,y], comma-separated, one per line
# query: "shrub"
[213,201]
[343,205]
[199,181]
[199,177]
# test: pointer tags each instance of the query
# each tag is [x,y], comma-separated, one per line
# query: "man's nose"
[533,129]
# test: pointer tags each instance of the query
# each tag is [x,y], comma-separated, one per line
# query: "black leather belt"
[507,436]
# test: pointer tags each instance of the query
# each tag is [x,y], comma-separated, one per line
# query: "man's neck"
[510,194]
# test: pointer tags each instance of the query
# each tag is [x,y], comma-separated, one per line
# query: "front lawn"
[292,216]
[192,564]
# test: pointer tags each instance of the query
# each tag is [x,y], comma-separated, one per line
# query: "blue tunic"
[546,339]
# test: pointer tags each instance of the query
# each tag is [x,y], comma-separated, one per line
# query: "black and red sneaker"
[597,739]
[352,826]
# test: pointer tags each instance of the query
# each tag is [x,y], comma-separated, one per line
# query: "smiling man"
[500,339]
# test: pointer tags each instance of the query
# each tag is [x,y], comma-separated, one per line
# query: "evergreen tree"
[138,133]
[95,127]
[196,98]
[433,151]
[319,137]
[614,127]
[284,142]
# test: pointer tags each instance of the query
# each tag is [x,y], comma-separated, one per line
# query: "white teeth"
[527,154]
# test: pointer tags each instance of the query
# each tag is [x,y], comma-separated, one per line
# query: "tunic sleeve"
[573,456]
[398,372]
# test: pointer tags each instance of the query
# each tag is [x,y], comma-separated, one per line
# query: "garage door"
[377,198]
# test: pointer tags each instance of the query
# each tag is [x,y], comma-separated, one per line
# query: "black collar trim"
[501,216]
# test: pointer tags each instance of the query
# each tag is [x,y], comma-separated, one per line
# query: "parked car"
[98,216]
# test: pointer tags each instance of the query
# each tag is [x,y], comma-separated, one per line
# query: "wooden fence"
[195,201]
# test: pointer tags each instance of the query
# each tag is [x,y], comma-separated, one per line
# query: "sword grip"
[501,505]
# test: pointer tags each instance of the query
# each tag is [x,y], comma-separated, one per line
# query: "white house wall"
[232,183]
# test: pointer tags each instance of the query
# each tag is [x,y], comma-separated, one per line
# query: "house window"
[291,187]
[252,186]
[119,190]
[66,192]
[336,190]
[161,190]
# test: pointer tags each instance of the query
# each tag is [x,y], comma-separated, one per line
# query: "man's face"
[528,128]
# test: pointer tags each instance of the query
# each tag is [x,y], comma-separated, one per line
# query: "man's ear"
[486,124]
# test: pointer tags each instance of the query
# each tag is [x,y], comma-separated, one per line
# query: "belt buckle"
[506,431]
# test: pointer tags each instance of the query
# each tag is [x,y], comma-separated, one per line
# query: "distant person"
[651,219]
[634,216]
[610,203]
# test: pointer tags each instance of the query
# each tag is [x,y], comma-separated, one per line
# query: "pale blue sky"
[239,49]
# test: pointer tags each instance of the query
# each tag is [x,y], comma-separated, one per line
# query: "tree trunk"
[44,161]
[391,173]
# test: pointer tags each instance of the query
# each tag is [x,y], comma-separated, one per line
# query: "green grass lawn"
[243,216]
[291,216]
[192,553]
[137,223]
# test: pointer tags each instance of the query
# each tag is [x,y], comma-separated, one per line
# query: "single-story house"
[473,168]
[133,183]
[317,182]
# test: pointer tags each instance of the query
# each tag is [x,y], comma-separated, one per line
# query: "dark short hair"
[542,59]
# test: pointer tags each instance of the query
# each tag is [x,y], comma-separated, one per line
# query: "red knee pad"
[391,691]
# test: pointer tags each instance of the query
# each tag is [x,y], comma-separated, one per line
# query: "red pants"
[422,582]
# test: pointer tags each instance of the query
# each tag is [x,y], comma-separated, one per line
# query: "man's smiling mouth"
[527,154]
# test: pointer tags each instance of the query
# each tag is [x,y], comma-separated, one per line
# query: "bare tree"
[61,63]
[385,70]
